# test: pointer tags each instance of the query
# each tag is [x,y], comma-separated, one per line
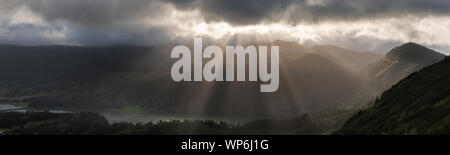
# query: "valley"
[133,84]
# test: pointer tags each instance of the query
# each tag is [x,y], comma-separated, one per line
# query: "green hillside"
[398,63]
[419,104]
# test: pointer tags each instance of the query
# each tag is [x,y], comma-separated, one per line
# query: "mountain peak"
[406,106]
[414,53]
[412,44]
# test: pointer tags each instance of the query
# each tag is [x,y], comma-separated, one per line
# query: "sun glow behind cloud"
[425,31]
[106,22]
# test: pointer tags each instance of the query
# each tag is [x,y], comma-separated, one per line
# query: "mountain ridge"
[414,52]
[395,66]
[418,104]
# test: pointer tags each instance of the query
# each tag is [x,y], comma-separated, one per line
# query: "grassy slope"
[332,120]
[419,104]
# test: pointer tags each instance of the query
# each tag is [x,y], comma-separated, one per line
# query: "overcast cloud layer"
[369,25]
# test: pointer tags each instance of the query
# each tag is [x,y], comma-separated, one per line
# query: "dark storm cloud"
[236,12]
[92,22]
[94,12]
[88,22]
[337,10]
[242,12]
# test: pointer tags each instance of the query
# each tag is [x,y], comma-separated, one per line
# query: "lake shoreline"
[133,116]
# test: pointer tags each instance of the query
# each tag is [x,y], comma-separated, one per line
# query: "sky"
[362,25]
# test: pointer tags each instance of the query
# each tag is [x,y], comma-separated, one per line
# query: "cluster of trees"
[30,123]
[45,123]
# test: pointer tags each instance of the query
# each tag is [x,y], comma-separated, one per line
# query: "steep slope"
[398,63]
[419,104]
[26,64]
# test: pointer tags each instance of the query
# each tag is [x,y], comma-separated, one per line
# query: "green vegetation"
[31,123]
[45,123]
[398,63]
[37,123]
[419,104]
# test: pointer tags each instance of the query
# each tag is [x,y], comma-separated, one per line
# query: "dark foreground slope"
[419,104]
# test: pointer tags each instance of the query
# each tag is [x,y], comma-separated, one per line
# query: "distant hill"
[351,60]
[321,82]
[36,64]
[419,104]
[398,63]
[30,64]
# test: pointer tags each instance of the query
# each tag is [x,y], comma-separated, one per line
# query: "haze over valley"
[313,79]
